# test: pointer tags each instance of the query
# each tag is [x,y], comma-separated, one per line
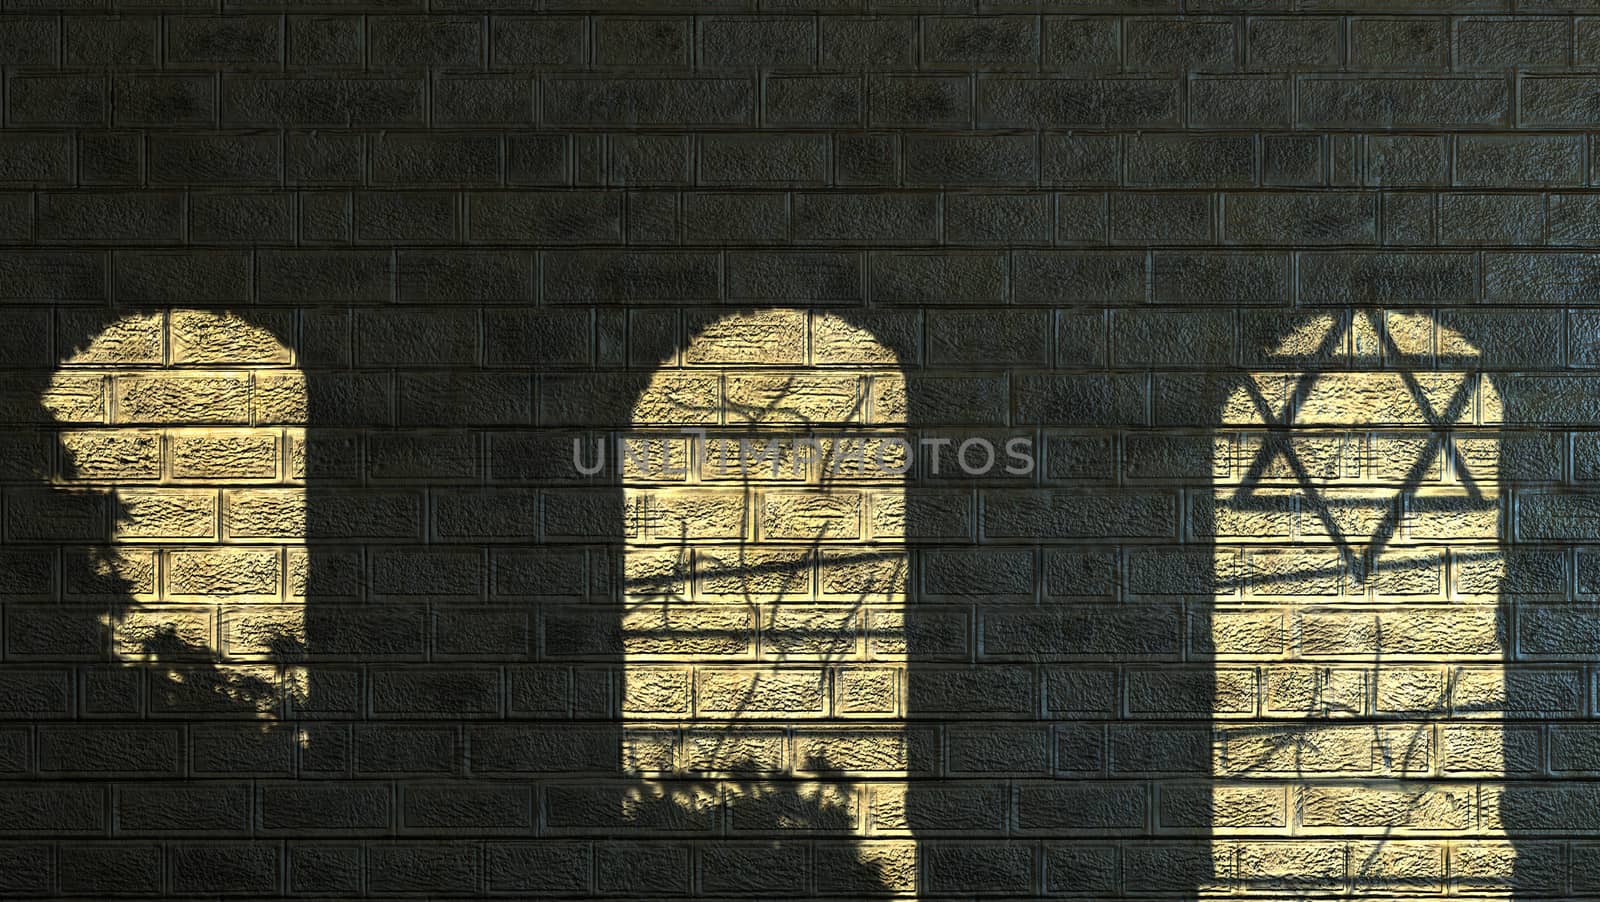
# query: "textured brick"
[539,867]
[639,42]
[67,99]
[1498,42]
[1174,339]
[1046,276]
[960,41]
[1034,103]
[111,42]
[997,219]
[1083,43]
[1407,103]
[536,41]
[970,160]
[1408,159]
[30,40]
[919,101]
[241,217]
[320,157]
[1291,160]
[743,160]
[1156,44]
[131,218]
[958,278]
[1509,275]
[224,868]
[680,102]
[981,868]
[322,101]
[737,42]
[331,41]
[1172,160]
[1390,44]
[1491,219]
[1534,160]
[1559,101]
[236,40]
[482,100]
[1161,219]
[1234,101]
[553,218]
[1293,41]
[165,100]
[35,159]
[1341,278]
[111,868]
[333,275]
[815,100]
[860,218]
[1208,277]
[1300,218]
[251,158]
[876,41]
[589,276]
[722,218]
[446,275]
[1079,159]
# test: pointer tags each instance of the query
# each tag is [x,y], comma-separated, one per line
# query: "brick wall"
[304,304]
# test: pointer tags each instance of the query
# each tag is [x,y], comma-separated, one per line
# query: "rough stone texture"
[304,303]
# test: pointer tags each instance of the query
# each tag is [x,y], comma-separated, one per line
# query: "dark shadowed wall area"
[303,304]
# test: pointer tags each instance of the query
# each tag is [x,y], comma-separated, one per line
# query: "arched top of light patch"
[775,369]
[1365,368]
[774,435]
[1368,431]
[178,368]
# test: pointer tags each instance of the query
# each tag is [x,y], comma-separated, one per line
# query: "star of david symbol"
[1277,444]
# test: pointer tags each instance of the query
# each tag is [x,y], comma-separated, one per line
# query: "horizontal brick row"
[1078,219]
[1318,684]
[514,397]
[1007,515]
[1417,572]
[935,345]
[1324,678]
[1167,762]
[747,9]
[196,98]
[1101,43]
[752,161]
[1021,808]
[578,868]
[963,357]
[1329,628]
[654,277]
[895,278]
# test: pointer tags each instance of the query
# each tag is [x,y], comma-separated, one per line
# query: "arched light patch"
[190,425]
[765,577]
[1355,640]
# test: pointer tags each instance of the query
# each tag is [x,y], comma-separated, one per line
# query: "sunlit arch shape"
[1345,501]
[191,423]
[779,593]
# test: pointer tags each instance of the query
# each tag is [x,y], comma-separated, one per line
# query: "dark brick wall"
[302,303]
